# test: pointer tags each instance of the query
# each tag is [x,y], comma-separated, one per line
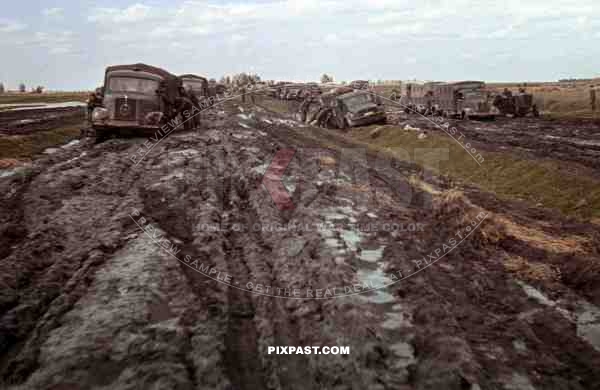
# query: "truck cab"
[197,84]
[133,101]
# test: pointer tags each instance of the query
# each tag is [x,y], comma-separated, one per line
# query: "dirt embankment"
[88,299]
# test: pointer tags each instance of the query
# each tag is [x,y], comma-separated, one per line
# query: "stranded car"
[342,108]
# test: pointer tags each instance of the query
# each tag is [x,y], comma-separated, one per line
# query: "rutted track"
[89,300]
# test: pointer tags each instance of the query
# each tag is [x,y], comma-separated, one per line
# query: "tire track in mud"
[251,255]
[50,276]
[242,360]
[231,307]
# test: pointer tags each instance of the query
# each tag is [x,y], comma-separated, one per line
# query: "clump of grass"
[27,146]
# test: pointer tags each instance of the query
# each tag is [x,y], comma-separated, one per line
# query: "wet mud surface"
[97,291]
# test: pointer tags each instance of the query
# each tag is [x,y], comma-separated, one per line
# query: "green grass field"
[507,175]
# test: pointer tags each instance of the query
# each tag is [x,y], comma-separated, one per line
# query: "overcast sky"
[66,44]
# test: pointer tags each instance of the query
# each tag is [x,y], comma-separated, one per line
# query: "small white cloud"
[61,50]
[55,12]
[134,13]
[237,38]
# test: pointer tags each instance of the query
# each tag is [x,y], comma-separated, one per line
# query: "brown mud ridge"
[88,300]
[21,122]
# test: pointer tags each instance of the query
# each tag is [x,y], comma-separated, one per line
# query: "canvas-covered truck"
[463,99]
[138,99]
[197,84]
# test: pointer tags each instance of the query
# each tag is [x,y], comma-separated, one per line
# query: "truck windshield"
[132,84]
[196,86]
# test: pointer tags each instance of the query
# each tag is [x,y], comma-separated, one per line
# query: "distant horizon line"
[376,81]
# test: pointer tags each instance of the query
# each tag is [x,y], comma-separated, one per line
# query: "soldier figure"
[252,93]
[196,103]
[184,103]
[94,100]
[593,97]
[429,103]
[243,92]
[304,109]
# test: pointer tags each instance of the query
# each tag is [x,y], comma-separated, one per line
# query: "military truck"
[518,105]
[292,92]
[463,99]
[341,108]
[359,84]
[217,89]
[138,99]
[197,84]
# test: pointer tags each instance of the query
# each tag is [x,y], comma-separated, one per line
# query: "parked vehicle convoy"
[137,98]
[341,108]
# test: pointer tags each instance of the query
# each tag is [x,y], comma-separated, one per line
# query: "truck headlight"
[153,118]
[99,114]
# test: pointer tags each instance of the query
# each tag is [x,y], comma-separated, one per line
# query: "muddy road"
[29,119]
[119,271]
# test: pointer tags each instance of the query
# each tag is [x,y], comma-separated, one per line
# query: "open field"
[46,97]
[98,289]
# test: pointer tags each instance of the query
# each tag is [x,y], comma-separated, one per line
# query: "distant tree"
[39,89]
[325,78]
[22,87]
[1,88]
